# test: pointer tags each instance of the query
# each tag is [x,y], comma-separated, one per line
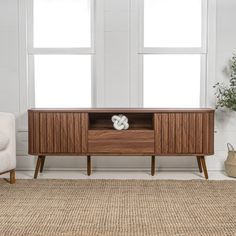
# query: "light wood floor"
[180,175]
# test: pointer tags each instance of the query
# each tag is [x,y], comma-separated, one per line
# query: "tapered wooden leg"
[12,177]
[88,165]
[204,167]
[199,163]
[37,167]
[42,163]
[153,166]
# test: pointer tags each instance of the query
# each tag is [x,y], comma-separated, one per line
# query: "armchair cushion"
[4,140]
[8,155]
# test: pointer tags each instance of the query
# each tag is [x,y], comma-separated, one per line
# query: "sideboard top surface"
[121,110]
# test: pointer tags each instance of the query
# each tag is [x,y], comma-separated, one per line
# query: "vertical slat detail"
[64,133]
[36,132]
[31,132]
[71,132]
[178,132]
[57,133]
[84,122]
[211,133]
[185,143]
[199,120]
[165,133]
[50,132]
[157,128]
[205,132]
[192,133]
[77,127]
[171,136]
[43,132]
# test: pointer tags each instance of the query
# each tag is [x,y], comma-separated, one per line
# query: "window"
[173,50]
[60,52]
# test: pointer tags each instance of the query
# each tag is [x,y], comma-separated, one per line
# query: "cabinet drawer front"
[121,142]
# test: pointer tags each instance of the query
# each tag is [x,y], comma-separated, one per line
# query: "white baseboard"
[122,169]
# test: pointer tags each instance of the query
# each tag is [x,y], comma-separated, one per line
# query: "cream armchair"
[7,145]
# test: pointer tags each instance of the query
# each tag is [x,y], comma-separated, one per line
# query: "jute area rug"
[117,207]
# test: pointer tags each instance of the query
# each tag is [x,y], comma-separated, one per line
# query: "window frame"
[202,51]
[32,51]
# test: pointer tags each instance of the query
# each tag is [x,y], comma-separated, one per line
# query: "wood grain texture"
[185,133]
[84,132]
[50,133]
[171,135]
[78,133]
[192,133]
[163,133]
[211,133]
[43,132]
[57,132]
[31,132]
[178,132]
[121,142]
[71,133]
[36,134]
[123,110]
[185,141]
[158,133]
[64,133]
[199,134]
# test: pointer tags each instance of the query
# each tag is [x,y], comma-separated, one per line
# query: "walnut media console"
[152,132]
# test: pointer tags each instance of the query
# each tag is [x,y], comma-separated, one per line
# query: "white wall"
[117,83]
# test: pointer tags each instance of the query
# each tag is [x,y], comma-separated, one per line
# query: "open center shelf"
[137,121]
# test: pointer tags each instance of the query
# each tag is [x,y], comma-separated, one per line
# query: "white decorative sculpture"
[120,122]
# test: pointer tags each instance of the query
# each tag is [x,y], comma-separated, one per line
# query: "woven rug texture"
[117,207]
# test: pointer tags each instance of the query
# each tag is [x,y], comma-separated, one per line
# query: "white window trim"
[207,51]
[31,51]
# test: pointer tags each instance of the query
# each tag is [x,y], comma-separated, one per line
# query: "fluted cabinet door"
[184,133]
[52,132]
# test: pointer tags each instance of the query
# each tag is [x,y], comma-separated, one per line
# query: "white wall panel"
[116,54]
[9,76]
[116,69]
[116,5]
[116,21]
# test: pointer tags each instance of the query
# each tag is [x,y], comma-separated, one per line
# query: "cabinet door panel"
[57,133]
[184,133]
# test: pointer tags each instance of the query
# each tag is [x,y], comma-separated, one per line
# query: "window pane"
[62,81]
[172,81]
[62,23]
[171,23]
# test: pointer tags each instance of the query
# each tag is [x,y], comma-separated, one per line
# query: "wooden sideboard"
[152,132]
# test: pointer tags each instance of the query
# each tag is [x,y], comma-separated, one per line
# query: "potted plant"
[226,98]
[226,94]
